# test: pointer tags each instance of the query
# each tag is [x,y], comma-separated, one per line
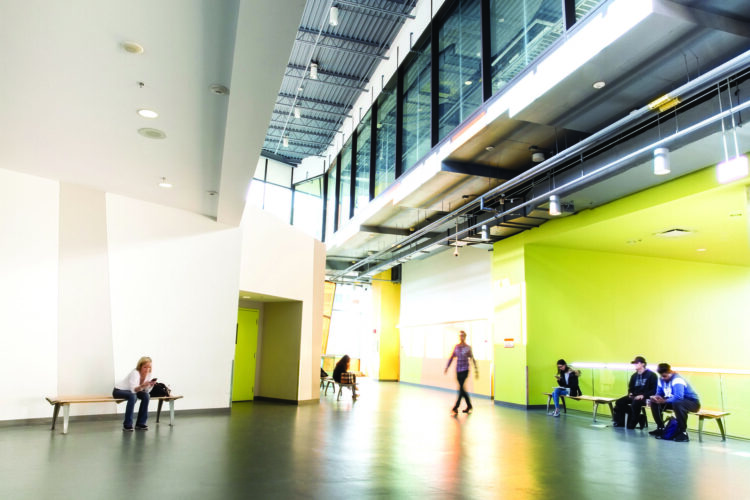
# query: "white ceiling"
[69,94]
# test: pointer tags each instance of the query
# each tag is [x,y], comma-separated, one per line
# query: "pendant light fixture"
[661,161]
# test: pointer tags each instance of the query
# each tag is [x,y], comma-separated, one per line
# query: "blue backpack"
[670,429]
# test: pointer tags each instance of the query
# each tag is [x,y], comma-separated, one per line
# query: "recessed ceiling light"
[219,89]
[468,82]
[164,183]
[132,47]
[148,113]
[489,148]
[700,249]
[300,88]
[599,85]
[152,133]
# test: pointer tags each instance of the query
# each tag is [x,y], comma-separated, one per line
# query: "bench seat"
[66,401]
[596,400]
[717,415]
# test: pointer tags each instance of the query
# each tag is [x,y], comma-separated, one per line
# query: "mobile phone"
[153,380]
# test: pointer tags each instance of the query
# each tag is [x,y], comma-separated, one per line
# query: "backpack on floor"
[670,429]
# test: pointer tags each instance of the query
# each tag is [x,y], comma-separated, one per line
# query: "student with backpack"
[673,392]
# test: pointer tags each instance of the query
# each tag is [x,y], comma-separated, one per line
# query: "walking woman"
[462,352]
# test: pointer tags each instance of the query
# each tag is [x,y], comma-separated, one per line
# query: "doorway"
[246,346]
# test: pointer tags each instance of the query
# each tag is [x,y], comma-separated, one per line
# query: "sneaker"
[455,410]
[682,437]
[141,428]
[615,424]
[127,429]
[468,410]
[556,413]
[657,432]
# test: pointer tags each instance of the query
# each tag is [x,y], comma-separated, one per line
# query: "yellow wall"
[386,299]
[509,322]
[280,354]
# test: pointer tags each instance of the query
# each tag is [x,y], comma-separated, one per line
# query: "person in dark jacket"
[641,387]
[567,381]
[343,367]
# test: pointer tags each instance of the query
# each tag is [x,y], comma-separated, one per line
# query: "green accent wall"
[243,378]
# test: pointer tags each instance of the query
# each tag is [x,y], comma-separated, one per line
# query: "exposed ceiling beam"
[311,100]
[341,49]
[356,79]
[343,38]
[373,9]
[476,169]
[293,128]
[307,117]
[299,74]
[296,125]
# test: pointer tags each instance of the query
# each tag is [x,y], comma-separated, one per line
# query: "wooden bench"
[711,415]
[66,401]
[596,400]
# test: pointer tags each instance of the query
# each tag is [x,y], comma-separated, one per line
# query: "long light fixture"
[554,205]
[313,71]
[164,183]
[455,252]
[285,141]
[485,233]
[661,161]
[333,19]
[297,113]
[735,168]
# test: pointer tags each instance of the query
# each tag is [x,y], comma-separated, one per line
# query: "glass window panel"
[331,201]
[385,142]
[460,67]
[583,7]
[278,201]
[345,183]
[416,126]
[308,206]
[255,193]
[520,32]
[362,182]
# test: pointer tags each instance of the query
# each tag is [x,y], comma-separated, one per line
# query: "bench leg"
[171,412]
[721,429]
[341,388]
[158,410]
[549,400]
[66,416]
[55,413]
[565,408]
[596,408]
[700,429]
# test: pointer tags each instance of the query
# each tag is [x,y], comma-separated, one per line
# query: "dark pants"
[461,376]
[130,398]
[630,407]
[680,408]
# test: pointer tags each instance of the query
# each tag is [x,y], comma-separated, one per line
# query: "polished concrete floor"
[396,441]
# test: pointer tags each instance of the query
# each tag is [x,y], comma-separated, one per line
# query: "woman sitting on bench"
[342,375]
[567,380]
[136,386]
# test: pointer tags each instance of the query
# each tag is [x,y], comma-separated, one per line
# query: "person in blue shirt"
[673,392]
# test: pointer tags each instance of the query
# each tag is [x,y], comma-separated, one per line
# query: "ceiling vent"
[675,232]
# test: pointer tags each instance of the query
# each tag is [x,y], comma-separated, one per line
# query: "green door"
[243,380]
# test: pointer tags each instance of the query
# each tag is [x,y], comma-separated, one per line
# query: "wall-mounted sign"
[509,342]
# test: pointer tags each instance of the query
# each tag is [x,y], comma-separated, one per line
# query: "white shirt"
[130,382]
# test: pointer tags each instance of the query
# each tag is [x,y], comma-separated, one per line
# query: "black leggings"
[461,376]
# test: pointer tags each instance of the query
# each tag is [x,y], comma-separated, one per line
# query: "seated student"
[567,380]
[641,387]
[673,392]
[342,368]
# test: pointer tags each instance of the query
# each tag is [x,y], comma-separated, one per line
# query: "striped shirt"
[462,353]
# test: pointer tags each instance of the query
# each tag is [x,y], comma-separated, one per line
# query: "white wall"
[174,286]
[28,294]
[446,288]
[281,261]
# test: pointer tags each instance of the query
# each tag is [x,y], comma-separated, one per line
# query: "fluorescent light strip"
[628,366]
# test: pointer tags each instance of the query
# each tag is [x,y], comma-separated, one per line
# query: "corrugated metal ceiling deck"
[347,55]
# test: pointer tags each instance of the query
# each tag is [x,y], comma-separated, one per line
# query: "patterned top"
[462,353]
